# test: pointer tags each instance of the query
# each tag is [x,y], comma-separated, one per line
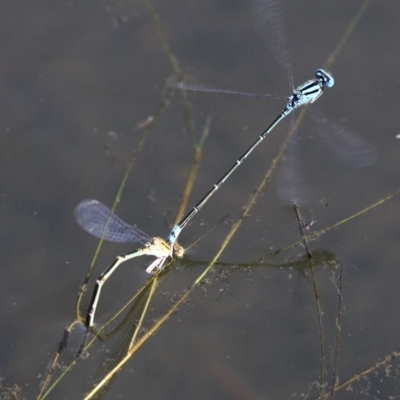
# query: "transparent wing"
[346,145]
[97,219]
[270,22]
[199,87]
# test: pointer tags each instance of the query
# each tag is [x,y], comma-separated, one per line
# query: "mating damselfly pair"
[101,222]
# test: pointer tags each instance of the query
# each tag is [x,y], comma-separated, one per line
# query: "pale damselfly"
[97,219]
